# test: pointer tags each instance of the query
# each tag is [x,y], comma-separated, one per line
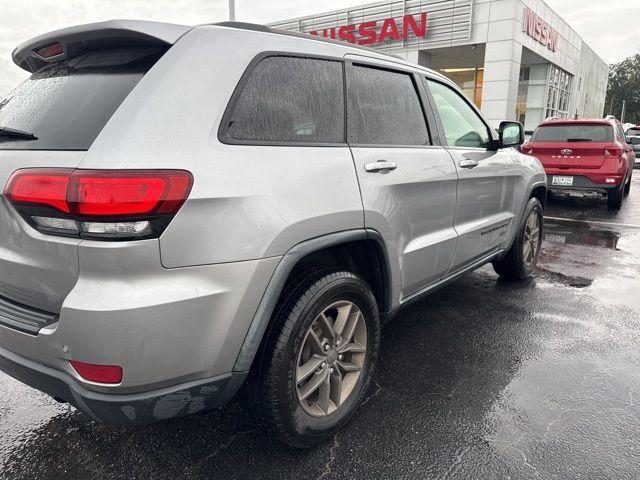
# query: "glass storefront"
[469,80]
[559,92]
[523,93]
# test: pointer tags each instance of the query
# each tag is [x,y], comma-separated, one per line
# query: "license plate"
[562,181]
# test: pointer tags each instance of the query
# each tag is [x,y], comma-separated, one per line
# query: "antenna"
[232,10]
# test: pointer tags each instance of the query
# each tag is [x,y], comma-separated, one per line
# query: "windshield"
[66,104]
[573,133]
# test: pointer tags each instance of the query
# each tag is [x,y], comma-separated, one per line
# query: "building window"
[523,93]
[559,92]
[470,80]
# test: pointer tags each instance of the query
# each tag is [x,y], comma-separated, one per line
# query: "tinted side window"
[290,99]
[462,125]
[389,109]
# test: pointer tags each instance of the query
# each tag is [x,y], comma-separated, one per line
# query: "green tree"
[624,84]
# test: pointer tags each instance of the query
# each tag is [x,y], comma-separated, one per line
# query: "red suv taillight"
[527,149]
[612,152]
[105,204]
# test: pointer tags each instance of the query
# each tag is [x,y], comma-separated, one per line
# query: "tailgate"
[572,155]
[35,269]
[50,121]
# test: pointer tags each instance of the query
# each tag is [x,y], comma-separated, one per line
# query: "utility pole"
[624,107]
[611,105]
[232,10]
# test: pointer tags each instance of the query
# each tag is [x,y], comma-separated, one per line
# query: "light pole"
[232,10]
[624,107]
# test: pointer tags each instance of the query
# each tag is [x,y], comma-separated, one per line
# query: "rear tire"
[627,187]
[615,198]
[301,337]
[521,259]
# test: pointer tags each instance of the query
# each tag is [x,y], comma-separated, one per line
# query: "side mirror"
[511,134]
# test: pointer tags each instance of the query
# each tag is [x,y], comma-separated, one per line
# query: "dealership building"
[516,59]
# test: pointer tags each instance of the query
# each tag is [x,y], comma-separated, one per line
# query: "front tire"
[319,357]
[521,259]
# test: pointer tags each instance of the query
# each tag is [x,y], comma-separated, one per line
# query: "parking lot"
[484,379]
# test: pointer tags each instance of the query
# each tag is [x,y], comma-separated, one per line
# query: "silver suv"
[187,210]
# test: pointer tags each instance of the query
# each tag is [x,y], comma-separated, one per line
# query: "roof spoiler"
[73,41]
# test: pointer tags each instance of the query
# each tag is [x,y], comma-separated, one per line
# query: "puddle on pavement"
[601,261]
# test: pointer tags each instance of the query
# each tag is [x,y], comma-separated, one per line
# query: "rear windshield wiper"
[579,140]
[12,132]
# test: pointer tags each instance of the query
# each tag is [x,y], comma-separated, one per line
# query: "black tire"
[627,187]
[614,198]
[512,266]
[275,390]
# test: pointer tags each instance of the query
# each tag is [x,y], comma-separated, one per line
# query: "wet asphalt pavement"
[482,380]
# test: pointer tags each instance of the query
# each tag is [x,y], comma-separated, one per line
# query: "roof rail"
[244,26]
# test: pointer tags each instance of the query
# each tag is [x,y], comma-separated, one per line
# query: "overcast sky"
[609,27]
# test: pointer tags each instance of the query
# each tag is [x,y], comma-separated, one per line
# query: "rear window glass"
[633,132]
[573,133]
[66,104]
[290,100]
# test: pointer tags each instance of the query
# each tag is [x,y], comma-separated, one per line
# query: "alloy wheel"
[531,239]
[331,358]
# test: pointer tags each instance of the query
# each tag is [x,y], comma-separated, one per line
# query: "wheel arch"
[361,251]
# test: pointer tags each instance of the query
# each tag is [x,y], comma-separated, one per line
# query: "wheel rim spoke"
[324,394]
[349,330]
[349,367]
[344,313]
[315,343]
[352,348]
[527,251]
[326,325]
[312,385]
[303,372]
[336,387]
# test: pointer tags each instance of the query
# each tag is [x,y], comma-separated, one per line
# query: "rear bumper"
[581,182]
[134,409]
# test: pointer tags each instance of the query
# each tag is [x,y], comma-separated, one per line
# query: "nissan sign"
[539,30]
[375,32]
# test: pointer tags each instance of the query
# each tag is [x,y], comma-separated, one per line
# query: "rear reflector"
[116,204]
[51,51]
[98,373]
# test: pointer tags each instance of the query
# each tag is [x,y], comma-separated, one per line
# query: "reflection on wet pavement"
[485,379]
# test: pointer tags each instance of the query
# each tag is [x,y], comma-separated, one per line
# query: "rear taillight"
[527,149]
[105,204]
[612,152]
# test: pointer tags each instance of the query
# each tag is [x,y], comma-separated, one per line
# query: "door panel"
[413,208]
[412,201]
[485,206]
[487,177]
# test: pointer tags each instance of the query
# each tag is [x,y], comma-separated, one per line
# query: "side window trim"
[223,135]
[353,110]
[491,132]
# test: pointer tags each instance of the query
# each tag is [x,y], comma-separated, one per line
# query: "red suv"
[585,154]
